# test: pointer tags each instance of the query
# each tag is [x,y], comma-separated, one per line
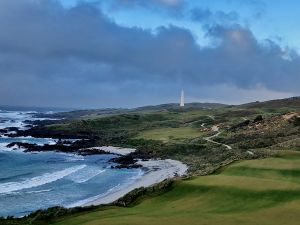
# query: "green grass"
[250,192]
[170,134]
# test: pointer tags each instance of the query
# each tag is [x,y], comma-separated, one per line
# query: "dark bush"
[297,121]
[258,119]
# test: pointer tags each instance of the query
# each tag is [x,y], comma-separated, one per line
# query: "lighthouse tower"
[182,99]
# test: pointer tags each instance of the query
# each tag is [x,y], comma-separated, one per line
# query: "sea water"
[32,181]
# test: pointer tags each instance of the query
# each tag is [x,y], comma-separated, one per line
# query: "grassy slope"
[170,134]
[178,133]
[286,103]
[263,191]
[250,192]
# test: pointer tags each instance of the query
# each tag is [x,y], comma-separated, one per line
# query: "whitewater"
[32,181]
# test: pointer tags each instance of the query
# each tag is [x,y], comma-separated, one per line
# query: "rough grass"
[250,192]
[170,134]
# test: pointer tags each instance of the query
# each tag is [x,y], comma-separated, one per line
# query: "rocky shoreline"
[84,144]
[81,147]
[154,171]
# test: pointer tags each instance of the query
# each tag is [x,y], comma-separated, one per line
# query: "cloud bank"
[79,57]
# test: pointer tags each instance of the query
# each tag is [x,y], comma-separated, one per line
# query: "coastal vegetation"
[251,161]
[262,191]
[265,191]
[168,131]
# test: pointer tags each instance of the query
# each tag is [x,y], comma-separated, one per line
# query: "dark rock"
[3,131]
[65,142]
[240,125]
[131,166]
[75,147]
[91,152]
[138,154]
[125,160]
[21,145]
[259,118]
[42,132]
[297,121]
[10,129]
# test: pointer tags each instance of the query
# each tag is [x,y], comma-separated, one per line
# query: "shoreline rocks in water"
[61,146]
[3,131]
[127,156]
[125,159]
[12,129]
[38,132]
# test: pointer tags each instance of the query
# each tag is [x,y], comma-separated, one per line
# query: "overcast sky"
[127,53]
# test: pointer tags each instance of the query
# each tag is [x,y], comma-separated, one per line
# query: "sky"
[128,53]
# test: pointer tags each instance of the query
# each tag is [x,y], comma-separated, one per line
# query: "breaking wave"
[39,180]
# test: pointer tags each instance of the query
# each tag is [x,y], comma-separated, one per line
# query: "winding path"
[209,139]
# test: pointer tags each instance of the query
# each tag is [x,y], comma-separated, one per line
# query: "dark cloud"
[79,57]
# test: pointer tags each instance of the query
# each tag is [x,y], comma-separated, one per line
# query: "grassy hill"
[175,106]
[265,191]
[96,113]
[273,105]
[262,191]
[289,103]
[179,133]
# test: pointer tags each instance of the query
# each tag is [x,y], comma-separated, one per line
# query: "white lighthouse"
[182,99]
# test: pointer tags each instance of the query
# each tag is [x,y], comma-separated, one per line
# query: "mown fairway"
[265,191]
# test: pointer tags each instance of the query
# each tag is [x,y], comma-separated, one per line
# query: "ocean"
[39,180]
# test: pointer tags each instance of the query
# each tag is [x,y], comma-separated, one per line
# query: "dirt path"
[209,139]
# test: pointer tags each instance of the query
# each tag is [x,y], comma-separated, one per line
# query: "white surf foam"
[73,158]
[85,201]
[3,148]
[39,191]
[112,190]
[85,175]
[39,180]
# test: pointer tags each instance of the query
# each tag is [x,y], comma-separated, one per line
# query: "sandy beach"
[155,172]
[115,150]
